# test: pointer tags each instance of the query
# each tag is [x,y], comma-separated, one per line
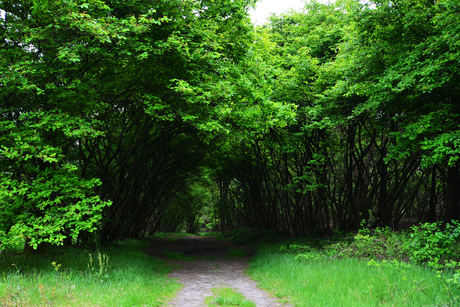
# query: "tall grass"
[376,267]
[345,282]
[114,276]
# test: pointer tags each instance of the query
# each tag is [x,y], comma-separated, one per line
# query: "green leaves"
[61,199]
[42,196]
[433,244]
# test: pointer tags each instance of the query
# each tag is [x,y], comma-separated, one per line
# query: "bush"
[434,244]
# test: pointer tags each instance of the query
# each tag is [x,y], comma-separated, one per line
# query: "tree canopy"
[115,112]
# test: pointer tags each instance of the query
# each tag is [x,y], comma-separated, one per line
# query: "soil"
[213,267]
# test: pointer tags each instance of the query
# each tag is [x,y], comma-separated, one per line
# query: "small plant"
[56,266]
[102,271]
[303,252]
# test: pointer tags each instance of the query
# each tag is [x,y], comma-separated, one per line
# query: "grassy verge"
[371,268]
[227,297]
[117,276]
[345,282]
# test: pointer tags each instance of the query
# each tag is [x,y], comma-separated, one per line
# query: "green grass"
[347,282]
[309,274]
[125,276]
[227,297]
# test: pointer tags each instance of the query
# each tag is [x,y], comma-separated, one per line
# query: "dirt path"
[212,268]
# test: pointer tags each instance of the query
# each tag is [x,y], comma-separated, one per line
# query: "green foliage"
[191,207]
[380,243]
[306,122]
[375,91]
[435,243]
[397,59]
[78,78]
[47,112]
[61,197]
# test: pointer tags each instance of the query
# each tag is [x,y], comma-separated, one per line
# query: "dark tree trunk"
[432,209]
[453,193]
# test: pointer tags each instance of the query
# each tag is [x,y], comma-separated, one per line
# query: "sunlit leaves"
[69,67]
[397,60]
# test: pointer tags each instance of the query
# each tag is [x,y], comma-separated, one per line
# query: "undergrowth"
[379,267]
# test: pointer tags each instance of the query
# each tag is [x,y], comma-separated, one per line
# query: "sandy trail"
[212,268]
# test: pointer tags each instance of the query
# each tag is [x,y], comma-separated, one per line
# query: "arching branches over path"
[82,81]
[376,135]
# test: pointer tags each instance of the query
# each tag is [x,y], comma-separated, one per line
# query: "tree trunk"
[453,193]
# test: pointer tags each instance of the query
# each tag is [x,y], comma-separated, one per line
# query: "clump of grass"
[227,297]
[70,277]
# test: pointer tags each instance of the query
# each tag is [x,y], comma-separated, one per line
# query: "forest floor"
[203,263]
